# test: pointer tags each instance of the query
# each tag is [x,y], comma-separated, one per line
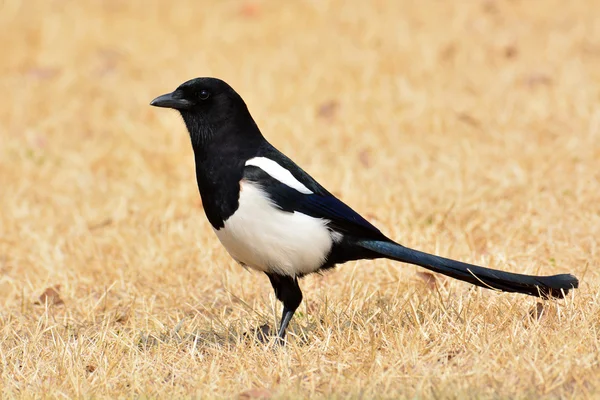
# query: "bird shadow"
[264,334]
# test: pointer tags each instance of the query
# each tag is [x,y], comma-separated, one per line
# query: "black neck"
[221,151]
[229,136]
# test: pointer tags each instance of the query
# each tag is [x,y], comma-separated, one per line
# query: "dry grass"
[469,129]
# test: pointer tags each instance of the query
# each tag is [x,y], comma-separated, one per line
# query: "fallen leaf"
[259,393]
[490,6]
[468,119]
[511,51]
[328,110]
[537,79]
[428,278]
[250,10]
[51,296]
[42,72]
[448,52]
[365,158]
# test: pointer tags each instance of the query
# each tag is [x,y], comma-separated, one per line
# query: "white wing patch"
[276,171]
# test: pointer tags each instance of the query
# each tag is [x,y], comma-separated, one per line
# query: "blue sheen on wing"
[324,205]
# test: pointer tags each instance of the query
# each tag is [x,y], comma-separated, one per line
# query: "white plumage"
[278,172]
[263,237]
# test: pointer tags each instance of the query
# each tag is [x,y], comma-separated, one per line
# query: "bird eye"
[204,94]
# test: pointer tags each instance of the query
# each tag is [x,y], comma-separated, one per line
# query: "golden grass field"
[468,129]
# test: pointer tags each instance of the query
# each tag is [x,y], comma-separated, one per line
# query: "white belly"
[264,238]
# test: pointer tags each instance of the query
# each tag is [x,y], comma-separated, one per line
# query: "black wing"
[319,204]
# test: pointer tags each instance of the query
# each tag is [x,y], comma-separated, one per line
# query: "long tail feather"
[542,286]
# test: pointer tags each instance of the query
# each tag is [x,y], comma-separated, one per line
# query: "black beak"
[171,100]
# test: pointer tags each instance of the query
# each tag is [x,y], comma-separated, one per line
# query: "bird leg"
[286,317]
[288,292]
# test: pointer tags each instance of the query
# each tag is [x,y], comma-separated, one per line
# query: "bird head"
[205,105]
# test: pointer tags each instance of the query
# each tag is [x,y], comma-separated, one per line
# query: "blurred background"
[469,129]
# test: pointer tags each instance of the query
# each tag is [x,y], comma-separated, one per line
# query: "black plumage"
[274,217]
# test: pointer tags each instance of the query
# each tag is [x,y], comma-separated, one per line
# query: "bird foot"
[264,334]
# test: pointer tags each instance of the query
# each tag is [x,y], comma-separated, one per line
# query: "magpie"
[273,217]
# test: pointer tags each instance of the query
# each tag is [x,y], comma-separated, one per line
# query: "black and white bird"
[273,217]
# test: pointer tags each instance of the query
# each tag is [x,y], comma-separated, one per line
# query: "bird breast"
[263,237]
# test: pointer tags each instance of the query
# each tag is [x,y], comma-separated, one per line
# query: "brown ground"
[470,129]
